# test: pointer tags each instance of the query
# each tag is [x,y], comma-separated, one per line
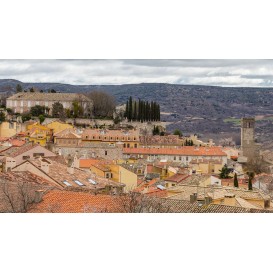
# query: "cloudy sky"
[203,72]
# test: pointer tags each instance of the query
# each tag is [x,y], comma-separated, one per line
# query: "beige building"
[9,129]
[23,101]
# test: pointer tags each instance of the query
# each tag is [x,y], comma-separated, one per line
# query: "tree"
[156,130]
[2,116]
[77,109]
[177,132]
[26,116]
[9,110]
[16,196]
[135,202]
[104,104]
[224,172]
[250,178]
[31,89]
[19,88]
[130,109]
[256,165]
[57,110]
[236,181]
[37,110]
[41,118]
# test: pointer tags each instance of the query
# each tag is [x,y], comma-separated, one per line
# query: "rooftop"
[37,96]
[185,150]
[79,202]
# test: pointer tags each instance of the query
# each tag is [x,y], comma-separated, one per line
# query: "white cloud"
[209,72]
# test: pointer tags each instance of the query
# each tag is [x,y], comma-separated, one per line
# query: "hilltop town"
[83,152]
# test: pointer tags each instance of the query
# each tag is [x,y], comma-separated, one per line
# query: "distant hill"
[211,111]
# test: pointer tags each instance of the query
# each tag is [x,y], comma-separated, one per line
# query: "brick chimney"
[45,166]
[193,198]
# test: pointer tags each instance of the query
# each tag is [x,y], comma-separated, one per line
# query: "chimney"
[193,198]
[38,196]
[45,166]
[208,200]
[229,199]
[70,170]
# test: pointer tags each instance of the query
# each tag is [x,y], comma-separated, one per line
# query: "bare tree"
[103,103]
[16,196]
[134,202]
[256,165]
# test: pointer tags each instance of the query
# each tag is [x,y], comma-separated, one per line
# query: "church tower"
[248,145]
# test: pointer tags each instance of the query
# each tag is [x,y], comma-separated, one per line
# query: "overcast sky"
[203,72]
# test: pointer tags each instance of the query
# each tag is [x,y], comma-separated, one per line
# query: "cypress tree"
[250,177]
[135,111]
[130,111]
[138,110]
[142,111]
[126,110]
[149,111]
[236,181]
[146,111]
[152,111]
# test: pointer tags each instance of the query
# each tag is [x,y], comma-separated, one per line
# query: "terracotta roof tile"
[73,202]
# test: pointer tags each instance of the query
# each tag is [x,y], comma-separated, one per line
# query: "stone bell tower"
[248,144]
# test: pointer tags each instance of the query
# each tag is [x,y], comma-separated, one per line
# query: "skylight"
[66,183]
[92,181]
[78,182]
[160,187]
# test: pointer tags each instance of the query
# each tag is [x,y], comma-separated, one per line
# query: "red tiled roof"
[178,177]
[73,202]
[17,142]
[15,151]
[86,163]
[185,150]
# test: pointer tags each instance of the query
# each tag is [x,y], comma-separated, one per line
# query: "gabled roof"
[67,133]
[177,178]
[15,151]
[61,175]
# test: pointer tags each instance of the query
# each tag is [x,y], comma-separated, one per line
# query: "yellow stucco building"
[58,126]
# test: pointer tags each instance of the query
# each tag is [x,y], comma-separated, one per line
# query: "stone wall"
[104,151]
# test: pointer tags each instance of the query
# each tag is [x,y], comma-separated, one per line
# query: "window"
[105,152]
[135,145]
[38,154]
[107,175]
[25,157]
[173,184]
[180,158]
[128,145]
[174,158]
[86,137]
[124,145]
[187,158]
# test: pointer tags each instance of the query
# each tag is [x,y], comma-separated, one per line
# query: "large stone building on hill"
[23,101]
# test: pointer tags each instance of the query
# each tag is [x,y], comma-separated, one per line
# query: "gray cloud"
[209,72]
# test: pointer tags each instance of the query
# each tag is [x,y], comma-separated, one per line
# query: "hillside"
[210,111]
